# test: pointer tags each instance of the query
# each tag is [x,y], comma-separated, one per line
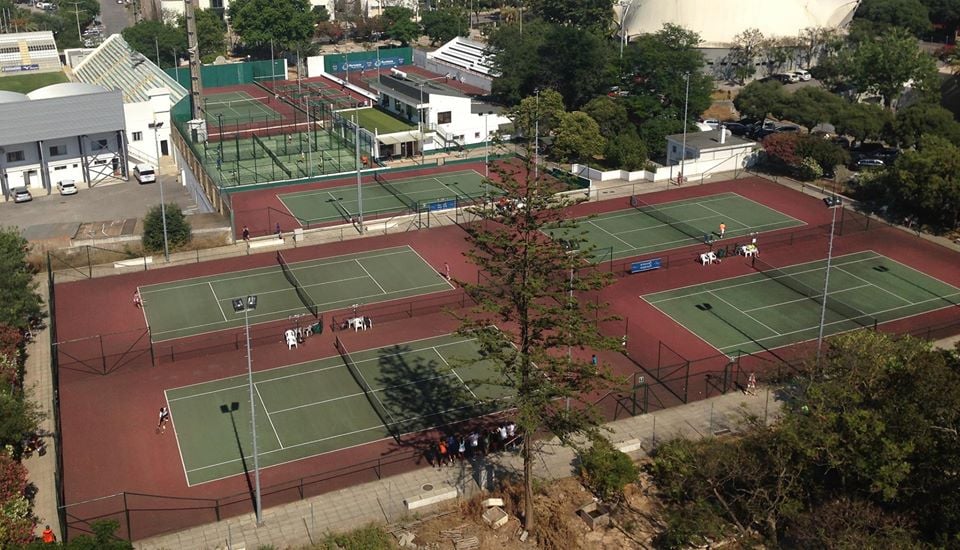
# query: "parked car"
[21,194]
[802,75]
[711,122]
[144,173]
[737,128]
[870,163]
[788,128]
[67,187]
[787,78]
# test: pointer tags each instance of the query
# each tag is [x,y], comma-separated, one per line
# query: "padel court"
[392,195]
[204,304]
[320,406]
[645,228]
[780,306]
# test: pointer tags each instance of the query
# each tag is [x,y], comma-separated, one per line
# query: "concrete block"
[594,515]
[492,502]
[630,446]
[495,517]
[434,497]
[135,262]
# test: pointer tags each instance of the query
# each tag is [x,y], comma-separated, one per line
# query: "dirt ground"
[633,521]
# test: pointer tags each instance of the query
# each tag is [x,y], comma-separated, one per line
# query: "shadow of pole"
[231,409]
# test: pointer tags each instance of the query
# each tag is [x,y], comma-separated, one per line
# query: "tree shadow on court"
[708,308]
[230,409]
[423,394]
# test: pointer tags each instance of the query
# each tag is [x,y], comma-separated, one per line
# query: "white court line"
[729,217]
[454,371]
[217,300]
[753,278]
[897,296]
[271,270]
[360,394]
[609,233]
[264,405]
[764,325]
[176,437]
[808,298]
[372,278]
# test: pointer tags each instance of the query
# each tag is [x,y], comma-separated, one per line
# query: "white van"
[144,173]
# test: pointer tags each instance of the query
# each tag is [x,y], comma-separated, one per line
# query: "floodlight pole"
[486,154]
[356,147]
[536,142]
[76,12]
[625,7]
[246,305]
[683,151]
[155,126]
[833,203]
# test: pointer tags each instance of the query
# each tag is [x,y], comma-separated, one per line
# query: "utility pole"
[76,12]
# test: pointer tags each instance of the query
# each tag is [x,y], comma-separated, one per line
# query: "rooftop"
[114,65]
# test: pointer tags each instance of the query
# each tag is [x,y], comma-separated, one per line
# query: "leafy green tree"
[178,228]
[862,121]
[517,63]
[811,106]
[19,417]
[654,134]
[20,299]
[211,34]
[926,184]
[606,470]
[570,59]
[527,292]
[609,113]
[759,99]
[16,520]
[402,29]
[258,22]
[925,118]
[907,14]
[149,37]
[827,154]
[545,108]
[626,151]
[320,14]
[443,25]
[593,15]
[813,42]
[747,46]
[886,63]
[578,138]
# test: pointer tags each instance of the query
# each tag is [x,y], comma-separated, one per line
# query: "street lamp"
[625,7]
[686,103]
[155,126]
[834,203]
[239,304]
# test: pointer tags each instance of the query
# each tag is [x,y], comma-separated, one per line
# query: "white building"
[445,116]
[148,95]
[69,131]
[34,52]
[697,154]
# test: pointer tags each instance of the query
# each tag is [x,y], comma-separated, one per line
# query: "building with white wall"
[148,95]
[445,116]
[28,52]
[69,131]
[695,154]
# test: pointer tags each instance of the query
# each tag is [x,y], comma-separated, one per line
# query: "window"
[476,135]
[15,156]
[137,136]
[444,117]
[57,150]
[100,144]
[59,168]
[99,162]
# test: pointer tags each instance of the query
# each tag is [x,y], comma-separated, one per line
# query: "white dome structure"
[718,21]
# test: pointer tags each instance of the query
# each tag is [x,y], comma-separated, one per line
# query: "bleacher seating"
[464,54]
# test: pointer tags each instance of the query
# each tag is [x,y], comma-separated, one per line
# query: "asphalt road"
[115,17]
[110,202]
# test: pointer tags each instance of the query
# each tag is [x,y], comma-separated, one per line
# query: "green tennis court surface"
[779,307]
[316,407]
[650,229]
[338,203]
[233,107]
[196,306]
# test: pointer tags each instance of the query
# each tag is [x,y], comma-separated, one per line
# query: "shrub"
[605,470]
[178,229]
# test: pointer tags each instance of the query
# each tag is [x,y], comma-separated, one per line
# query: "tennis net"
[234,103]
[301,293]
[382,412]
[834,304]
[663,217]
[411,204]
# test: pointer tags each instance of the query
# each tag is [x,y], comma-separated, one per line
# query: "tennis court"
[329,404]
[233,107]
[197,306]
[391,196]
[647,228]
[781,306]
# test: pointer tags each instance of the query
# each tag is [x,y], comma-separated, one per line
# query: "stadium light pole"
[625,7]
[155,126]
[245,305]
[686,103]
[833,203]
[536,141]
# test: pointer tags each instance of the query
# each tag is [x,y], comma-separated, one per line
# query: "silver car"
[21,194]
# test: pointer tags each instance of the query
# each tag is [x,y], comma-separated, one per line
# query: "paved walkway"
[304,521]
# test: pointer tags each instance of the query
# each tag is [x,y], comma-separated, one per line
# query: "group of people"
[452,447]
